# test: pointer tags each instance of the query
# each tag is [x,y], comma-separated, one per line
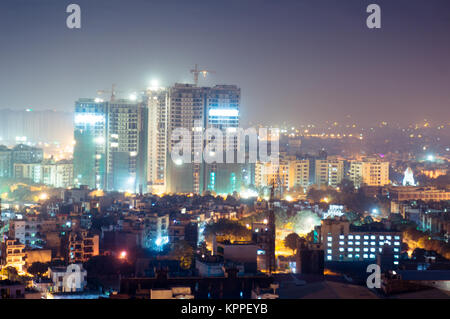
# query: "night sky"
[296,60]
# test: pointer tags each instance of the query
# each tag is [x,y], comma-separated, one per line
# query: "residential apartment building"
[329,171]
[369,172]
[82,245]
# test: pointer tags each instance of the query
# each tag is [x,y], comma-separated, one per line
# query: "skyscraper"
[89,156]
[156,101]
[110,145]
[196,109]
[126,146]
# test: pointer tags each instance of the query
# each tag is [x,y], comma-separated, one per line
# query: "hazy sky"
[295,60]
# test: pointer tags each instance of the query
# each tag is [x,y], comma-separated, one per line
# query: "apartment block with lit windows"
[329,171]
[13,252]
[82,246]
[369,172]
[344,243]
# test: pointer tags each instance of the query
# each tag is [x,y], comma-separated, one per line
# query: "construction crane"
[196,72]
[113,92]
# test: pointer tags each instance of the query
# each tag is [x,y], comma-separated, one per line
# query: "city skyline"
[312,61]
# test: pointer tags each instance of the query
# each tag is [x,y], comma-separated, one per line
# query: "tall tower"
[156,100]
[270,254]
[89,155]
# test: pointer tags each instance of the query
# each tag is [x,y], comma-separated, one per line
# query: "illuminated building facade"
[370,172]
[82,246]
[196,109]
[408,178]
[406,193]
[329,171]
[89,156]
[290,172]
[13,253]
[126,146]
[156,100]
[343,243]
[110,145]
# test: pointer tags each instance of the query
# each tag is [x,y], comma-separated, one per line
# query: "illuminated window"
[397,237]
[373,243]
[366,249]
[372,256]
[396,250]
[395,262]
[341,249]
[329,251]
[381,243]
[357,243]
[350,243]
[329,245]
[330,238]
[357,249]
[366,237]
[381,237]
[366,243]
[350,249]
[341,243]
[365,256]
[397,243]
[328,257]
[389,237]
[350,236]
[357,256]
[357,237]
[350,256]
[341,237]
[396,256]
[372,237]
[372,249]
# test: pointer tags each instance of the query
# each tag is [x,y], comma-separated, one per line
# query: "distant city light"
[223,112]
[248,193]
[89,119]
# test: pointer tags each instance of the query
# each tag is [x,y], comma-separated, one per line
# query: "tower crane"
[203,72]
[113,92]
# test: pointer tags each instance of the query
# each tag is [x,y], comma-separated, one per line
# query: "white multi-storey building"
[370,172]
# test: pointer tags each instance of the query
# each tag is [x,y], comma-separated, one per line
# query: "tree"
[347,186]
[231,230]
[184,253]
[38,268]
[290,241]
[11,273]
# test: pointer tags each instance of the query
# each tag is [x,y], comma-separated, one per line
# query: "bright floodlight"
[133,97]
[430,158]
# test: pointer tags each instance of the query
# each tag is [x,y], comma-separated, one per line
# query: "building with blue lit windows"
[343,242]
[110,145]
[89,155]
[197,109]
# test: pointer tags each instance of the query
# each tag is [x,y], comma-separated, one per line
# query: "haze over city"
[295,61]
[224,150]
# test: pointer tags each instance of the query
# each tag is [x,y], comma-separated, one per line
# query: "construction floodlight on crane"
[196,72]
